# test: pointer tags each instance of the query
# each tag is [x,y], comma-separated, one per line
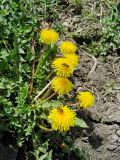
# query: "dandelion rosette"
[61,85]
[48,36]
[67,47]
[63,67]
[86,99]
[73,59]
[62,118]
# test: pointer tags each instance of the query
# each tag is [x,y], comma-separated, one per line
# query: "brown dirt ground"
[102,139]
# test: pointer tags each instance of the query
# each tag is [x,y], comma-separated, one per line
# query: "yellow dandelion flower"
[48,36]
[61,85]
[67,47]
[86,99]
[73,59]
[63,67]
[62,118]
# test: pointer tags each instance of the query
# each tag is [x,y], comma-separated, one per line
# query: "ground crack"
[104,122]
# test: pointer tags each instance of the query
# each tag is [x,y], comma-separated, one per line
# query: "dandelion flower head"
[61,85]
[86,99]
[62,118]
[63,67]
[48,36]
[72,58]
[67,47]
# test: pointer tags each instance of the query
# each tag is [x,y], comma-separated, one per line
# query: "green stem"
[46,94]
[49,75]
[73,104]
[17,55]
[43,60]
[52,95]
[78,2]
[46,129]
[33,67]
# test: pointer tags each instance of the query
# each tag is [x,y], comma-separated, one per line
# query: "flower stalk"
[43,60]
[51,96]
[46,129]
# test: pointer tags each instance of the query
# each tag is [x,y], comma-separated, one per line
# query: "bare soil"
[102,139]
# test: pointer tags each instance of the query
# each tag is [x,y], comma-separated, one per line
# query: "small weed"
[109,39]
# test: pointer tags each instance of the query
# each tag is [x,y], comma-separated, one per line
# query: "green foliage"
[16,53]
[42,150]
[76,2]
[84,155]
[109,36]
[81,123]
[73,151]
[80,154]
[44,10]
[43,67]
[19,113]
[16,35]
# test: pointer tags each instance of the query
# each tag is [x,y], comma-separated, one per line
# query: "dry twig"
[33,68]
[115,60]
[94,66]
[41,92]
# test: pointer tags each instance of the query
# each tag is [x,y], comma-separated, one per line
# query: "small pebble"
[115,137]
[118,132]
[111,147]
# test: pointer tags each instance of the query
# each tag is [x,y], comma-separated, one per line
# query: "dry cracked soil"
[102,139]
